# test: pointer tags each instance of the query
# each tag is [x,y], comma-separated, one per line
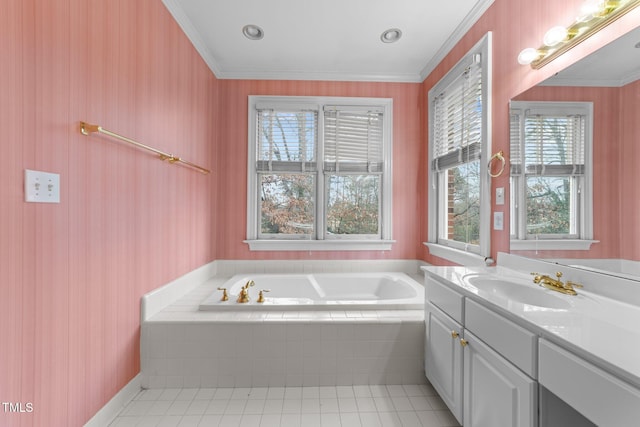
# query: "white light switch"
[500,196]
[41,187]
[498,221]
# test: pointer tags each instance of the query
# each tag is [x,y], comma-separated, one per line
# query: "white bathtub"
[343,291]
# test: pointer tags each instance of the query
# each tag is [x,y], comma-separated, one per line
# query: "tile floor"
[340,406]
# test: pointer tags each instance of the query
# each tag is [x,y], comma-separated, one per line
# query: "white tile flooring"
[339,406]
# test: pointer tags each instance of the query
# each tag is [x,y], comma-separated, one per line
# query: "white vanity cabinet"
[465,364]
[598,395]
[443,358]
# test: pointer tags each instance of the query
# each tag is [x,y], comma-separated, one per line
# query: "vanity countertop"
[602,330]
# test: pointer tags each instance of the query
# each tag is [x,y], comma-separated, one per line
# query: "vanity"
[504,351]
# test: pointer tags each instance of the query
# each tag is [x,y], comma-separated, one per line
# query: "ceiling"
[326,39]
[614,65]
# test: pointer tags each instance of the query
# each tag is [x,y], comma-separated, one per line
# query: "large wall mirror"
[562,189]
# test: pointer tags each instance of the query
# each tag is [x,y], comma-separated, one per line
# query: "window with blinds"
[353,140]
[459,137]
[549,165]
[287,139]
[457,146]
[457,129]
[319,169]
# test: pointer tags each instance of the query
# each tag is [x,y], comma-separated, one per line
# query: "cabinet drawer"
[598,395]
[510,340]
[445,298]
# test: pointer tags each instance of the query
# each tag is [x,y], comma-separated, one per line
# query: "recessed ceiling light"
[391,36]
[252,32]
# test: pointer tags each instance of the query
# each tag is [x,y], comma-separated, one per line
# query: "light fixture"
[594,15]
[391,36]
[252,32]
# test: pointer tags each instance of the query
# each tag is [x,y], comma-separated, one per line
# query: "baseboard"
[122,398]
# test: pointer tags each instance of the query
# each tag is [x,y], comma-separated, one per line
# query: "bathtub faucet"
[243,296]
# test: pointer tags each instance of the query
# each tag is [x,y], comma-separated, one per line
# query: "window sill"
[456,255]
[552,245]
[320,245]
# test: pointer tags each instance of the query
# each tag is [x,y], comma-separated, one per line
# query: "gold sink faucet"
[556,284]
[243,296]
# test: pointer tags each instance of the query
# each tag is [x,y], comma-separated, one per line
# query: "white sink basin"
[491,286]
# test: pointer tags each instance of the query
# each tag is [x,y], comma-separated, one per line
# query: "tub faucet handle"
[261,296]
[225,295]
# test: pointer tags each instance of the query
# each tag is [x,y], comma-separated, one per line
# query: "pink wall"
[232,164]
[515,25]
[606,153]
[629,162]
[71,274]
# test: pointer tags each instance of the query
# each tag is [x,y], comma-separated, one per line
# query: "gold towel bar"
[88,129]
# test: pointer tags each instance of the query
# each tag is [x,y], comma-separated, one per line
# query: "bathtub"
[325,291]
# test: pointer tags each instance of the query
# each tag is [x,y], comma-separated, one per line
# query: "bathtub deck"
[183,347]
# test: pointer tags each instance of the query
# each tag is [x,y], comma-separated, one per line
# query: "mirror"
[609,79]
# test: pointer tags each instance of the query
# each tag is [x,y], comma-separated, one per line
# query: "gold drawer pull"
[463,342]
[454,334]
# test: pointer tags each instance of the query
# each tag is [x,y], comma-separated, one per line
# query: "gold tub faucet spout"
[243,296]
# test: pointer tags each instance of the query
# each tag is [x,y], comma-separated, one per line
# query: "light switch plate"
[41,187]
[500,196]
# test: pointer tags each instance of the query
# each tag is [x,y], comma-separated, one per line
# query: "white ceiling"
[325,39]
[613,65]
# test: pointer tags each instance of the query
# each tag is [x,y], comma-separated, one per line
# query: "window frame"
[584,238]
[319,240]
[459,252]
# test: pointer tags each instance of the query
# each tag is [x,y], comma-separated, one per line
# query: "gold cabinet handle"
[463,342]
[454,334]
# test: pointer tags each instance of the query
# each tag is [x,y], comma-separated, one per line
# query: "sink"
[491,286]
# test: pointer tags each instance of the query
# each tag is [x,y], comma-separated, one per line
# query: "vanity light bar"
[594,15]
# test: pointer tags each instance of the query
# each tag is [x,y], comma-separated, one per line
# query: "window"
[319,173]
[459,204]
[550,174]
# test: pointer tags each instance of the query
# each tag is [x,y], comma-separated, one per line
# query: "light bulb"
[528,55]
[555,35]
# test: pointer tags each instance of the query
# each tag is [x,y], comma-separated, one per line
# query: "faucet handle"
[225,295]
[573,284]
[559,274]
[261,296]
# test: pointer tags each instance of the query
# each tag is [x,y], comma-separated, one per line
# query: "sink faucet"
[556,284]
[243,296]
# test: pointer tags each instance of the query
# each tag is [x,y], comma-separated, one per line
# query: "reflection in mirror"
[550,194]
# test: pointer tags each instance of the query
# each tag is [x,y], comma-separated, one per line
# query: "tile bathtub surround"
[279,353]
[184,347]
[334,406]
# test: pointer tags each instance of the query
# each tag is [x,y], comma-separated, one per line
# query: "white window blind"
[458,119]
[353,140]
[554,144]
[286,140]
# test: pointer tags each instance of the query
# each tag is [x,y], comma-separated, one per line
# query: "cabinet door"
[443,359]
[496,393]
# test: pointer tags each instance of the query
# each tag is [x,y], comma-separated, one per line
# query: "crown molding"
[479,9]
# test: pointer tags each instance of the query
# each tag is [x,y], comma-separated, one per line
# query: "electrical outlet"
[498,221]
[41,187]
